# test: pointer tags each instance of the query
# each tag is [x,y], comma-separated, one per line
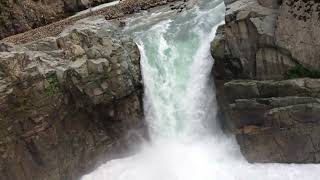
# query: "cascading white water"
[180,104]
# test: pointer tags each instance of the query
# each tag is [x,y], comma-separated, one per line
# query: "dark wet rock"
[122,23]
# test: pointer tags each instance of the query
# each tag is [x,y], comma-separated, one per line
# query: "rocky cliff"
[123,8]
[23,15]
[68,103]
[266,70]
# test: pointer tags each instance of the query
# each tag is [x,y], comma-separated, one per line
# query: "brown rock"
[301,40]
[23,15]
[55,120]
[275,120]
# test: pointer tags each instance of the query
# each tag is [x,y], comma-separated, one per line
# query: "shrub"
[53,86]
[301,72]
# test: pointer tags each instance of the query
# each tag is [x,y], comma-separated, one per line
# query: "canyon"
[100,94]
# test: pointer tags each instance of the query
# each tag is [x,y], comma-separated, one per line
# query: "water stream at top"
[180,108]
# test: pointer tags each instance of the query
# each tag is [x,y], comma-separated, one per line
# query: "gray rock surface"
[274,120]
[23,15]
[69,103]
[249,36]
[298,28]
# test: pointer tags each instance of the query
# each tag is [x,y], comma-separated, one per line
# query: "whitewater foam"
[180,108]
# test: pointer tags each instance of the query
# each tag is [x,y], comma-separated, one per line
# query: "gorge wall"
[266,70]
[10,26]
[68,103]
[19,16]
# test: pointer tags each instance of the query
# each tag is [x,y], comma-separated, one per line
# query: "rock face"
[274,119]
[68,103]
[23,15]
[123,8]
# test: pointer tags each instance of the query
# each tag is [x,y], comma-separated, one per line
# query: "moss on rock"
[301,72]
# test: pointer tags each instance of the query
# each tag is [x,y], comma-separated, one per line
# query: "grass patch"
[301,72]
[53,86]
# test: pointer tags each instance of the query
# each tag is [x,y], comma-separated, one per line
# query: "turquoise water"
[180,108]
[171,50]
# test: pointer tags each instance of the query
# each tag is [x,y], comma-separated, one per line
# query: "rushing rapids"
[186,141]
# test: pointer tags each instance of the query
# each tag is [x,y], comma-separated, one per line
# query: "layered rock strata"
[23,15]
[68,103]
[262,41]
[30,34]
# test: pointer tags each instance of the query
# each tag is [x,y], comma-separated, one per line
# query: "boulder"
[249,102]
[248,38]
[69,103]
[275,119]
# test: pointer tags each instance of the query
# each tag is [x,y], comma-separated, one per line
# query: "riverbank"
[23,15]
[111,12]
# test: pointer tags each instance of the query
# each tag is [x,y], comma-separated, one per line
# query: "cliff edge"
[23,15]
[267,72]
[69,102]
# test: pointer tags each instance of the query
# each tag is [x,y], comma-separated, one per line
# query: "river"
[180,107]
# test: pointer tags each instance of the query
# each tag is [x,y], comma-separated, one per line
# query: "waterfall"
[180,108]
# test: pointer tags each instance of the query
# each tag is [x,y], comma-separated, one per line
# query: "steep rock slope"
[19,16]
[265,55]
[68,103]
[53,29]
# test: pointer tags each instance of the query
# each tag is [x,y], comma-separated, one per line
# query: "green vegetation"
[301,72]
[53,86]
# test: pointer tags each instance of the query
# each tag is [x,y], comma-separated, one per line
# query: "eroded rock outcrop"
[53,29]
[68,103]
[23,15]
[262,41]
